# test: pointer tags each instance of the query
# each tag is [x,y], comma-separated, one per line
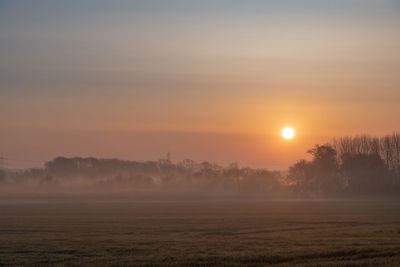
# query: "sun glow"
[288,133]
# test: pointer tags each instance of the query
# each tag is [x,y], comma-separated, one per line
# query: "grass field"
[328,233]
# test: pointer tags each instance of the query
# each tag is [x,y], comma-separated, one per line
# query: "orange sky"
[215,80]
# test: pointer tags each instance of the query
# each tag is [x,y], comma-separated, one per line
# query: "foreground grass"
[201,234]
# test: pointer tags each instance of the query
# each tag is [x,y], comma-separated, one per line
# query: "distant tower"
[168,157]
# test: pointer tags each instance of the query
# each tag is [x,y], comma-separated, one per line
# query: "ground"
[254,233]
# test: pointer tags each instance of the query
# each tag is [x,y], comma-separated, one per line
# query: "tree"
[365,174]
[300,174]
[320,175]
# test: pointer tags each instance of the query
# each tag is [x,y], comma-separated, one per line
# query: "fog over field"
[200,133]
[348,167]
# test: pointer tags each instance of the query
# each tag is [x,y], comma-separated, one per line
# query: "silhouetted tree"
[301,175]
[365,174]
[386,147]
[319,176]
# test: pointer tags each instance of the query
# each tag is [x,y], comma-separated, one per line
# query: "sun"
[288,133]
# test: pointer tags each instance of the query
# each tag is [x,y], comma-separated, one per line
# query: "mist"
[359,166]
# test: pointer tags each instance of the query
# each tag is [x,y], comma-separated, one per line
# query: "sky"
[211,80]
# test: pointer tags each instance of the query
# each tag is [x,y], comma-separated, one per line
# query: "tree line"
[347,166]
[357,165]
[162,176]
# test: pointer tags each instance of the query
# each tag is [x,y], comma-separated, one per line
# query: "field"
[313,233]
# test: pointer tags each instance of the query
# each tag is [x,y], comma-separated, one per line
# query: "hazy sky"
[208,80]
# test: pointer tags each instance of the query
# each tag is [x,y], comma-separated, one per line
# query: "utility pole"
[2,161]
